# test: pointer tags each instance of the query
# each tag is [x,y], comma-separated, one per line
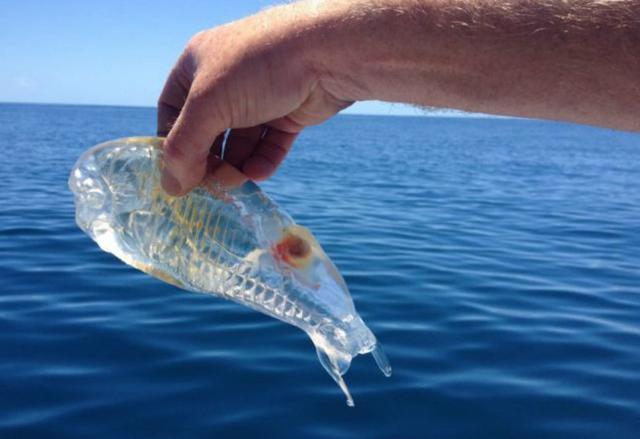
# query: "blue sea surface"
[497,260]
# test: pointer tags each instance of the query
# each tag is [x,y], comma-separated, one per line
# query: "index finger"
[174,95]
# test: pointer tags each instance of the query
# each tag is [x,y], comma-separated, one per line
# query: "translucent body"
[233,243]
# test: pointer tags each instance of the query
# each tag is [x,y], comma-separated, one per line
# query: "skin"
[270,75]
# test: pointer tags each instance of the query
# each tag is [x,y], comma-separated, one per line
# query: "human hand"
[268,76]
[256,77]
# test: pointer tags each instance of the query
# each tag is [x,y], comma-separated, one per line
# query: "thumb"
[187,146]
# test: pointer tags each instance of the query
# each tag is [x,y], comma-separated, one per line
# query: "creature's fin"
[381,359]
[336,369]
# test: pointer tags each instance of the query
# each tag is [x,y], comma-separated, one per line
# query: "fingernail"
[170,184]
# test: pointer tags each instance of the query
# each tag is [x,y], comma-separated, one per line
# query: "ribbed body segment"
[233,243]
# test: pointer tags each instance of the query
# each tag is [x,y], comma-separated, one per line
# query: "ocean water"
[497,260]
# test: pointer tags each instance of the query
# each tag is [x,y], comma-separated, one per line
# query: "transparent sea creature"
[232,243]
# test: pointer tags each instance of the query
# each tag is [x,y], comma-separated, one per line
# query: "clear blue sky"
[108,52]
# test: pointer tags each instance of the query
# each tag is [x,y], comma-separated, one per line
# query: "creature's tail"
[336,360]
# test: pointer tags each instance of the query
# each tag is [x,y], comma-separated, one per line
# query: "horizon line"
[436,112]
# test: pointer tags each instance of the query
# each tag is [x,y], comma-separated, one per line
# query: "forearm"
[575,60]
[269,76]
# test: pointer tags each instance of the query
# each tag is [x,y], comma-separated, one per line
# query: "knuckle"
[199,95]
[195,41]
[184,155]
[210,106]
[174,154]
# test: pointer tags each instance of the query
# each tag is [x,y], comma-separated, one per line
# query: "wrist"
[334,48]
[358,48]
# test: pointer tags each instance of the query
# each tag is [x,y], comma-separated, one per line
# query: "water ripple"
[495,259]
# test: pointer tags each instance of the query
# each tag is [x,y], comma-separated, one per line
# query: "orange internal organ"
[293,250]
